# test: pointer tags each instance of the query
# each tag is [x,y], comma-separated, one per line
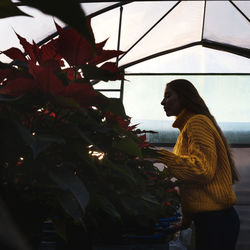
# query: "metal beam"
[205,43]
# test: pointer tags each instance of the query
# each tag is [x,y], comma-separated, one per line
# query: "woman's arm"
[199,164]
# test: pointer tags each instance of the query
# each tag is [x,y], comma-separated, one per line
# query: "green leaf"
[44,141]
[65,102]
[83,136]
[23,101]
[149,198]
[60,226]
[130,205]
[38,143]
[150,153]
[108,207]
[67,180]
[82,153]
[127,145]
[70,204]
[8,9]
[7,99]
[123,170]
[115,106]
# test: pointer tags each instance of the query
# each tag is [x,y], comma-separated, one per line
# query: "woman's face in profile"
[171,102]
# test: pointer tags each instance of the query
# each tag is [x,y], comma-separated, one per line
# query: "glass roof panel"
[179,61]
[34,28]
[139,17]
[108,85]
[106,26]
[244,7]
[90,8]
[196,59]
[181,26]
[225,24]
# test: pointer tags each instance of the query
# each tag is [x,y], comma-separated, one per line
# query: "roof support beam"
[160,54]
[226,47]
[241,12]
[205,43]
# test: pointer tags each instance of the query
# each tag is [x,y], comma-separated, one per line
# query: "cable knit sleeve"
[200,161]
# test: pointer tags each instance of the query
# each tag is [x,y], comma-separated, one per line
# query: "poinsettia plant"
[68,149]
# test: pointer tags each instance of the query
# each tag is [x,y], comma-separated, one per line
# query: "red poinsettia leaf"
[123,123]
[99,46]
[70,73]
[131,128]
[58,27]
[143,143]
[95,73]
[16,74]
[114,118]
[73,47]
[4,73]
[14,54]
[49,51]
[83,93]
[19,86]
[47,55]
[28,48]
[51,64]
[4,65]
[143,137]
[12,73]
[48,81]
[36,51]
[112,68]
[105,55]
[90,31]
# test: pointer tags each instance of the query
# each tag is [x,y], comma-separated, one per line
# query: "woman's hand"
[153,160]
[152,154]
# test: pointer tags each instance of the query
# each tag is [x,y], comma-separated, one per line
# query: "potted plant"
[69,153]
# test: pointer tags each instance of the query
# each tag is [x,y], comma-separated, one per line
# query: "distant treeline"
[236,132]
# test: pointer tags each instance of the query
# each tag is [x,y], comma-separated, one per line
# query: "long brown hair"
[192,101]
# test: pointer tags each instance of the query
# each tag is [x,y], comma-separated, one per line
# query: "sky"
[228,97]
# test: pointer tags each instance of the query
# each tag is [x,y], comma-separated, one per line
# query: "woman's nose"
[163,101]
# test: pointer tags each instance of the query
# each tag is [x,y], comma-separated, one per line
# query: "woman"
[202,161]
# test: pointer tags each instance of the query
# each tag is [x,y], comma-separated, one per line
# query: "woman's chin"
[168,114]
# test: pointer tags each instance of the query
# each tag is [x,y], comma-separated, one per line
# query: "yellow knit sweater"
[199,160]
